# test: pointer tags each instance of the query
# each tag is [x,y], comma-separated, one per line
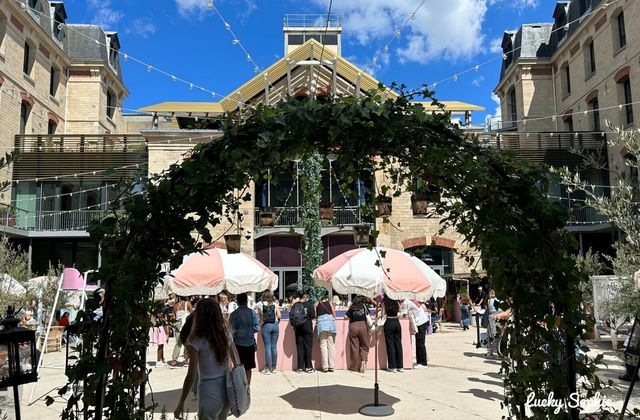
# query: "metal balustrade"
[74,143]
[49,220]
[292,216]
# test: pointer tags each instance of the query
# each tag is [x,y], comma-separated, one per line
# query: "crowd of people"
[206,327]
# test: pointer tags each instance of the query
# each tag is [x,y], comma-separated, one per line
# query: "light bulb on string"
[248,57]
[210,5]
[227,26]
[126,57]
[149,68]
[173,78]
[397,34]
[413,16]
[455,77]
[386,49]
[477,68]
[235,41]
[256,69]
[553,118]
[190,85]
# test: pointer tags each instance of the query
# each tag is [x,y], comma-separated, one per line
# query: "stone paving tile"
[458,384]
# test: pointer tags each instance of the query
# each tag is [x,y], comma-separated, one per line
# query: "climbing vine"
[311,171]
[495,200]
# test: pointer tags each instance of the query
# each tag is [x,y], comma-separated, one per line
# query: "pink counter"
[287,354]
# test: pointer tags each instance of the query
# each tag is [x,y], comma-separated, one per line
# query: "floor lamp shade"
[72,279]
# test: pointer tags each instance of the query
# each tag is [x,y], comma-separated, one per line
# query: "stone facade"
[65,85]
[556,78]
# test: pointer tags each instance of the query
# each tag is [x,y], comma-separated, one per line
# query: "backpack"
[297,316]
[268,314]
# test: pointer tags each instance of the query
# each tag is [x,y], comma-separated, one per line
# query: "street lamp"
[18,361]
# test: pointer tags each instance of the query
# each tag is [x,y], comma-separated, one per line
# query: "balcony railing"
[580,213]
[49,220]
[292,216]
[74,143]
[311,21]
[553,148]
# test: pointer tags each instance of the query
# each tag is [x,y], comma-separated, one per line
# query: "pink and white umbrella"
[211,271]
[367,272]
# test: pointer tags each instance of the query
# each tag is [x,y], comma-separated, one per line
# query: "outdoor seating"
[54,341]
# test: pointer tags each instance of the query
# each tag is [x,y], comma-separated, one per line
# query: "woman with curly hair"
[209,354]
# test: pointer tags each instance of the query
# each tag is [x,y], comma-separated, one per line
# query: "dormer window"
[58,22]
[113,50]
[508,53]
[34,9]
[584,5]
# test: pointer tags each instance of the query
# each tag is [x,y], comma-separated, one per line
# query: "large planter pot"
[420,206]
[267,218]
[233,243]
[326,212]
[301,92]
[384,206]
[361,234]
[457,313]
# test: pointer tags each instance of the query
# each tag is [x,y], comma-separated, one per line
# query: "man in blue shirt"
[244,324]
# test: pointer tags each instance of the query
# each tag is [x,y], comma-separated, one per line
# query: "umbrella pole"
[376,409]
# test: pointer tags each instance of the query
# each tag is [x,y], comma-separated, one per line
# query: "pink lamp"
[72,279]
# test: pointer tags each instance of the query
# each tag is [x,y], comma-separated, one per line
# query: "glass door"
[288,279]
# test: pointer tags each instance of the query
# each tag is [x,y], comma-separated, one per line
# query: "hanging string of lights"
[505,54]
[235,40]
[397,33]
[125,56]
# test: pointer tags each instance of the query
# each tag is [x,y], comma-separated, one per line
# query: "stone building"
[307,67]
[61,90]
[559,83]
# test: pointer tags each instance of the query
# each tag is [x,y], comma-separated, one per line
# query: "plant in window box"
[383,204]
[267,216]
[326,212]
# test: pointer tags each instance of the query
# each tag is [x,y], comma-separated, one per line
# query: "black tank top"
[324,308]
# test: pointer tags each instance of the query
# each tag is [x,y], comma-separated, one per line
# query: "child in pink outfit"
[160,337]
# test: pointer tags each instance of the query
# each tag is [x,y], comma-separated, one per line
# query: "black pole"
[633,381]
[376,388]
[144,382]
[478,344]
[16,401]
[570,357]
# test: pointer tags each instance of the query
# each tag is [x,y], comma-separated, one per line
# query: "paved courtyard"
[458,384]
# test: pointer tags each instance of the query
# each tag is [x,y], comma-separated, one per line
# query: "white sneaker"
[274,372]
[400,370]
[392,370]
[159,364]
[419,366]
[266,372]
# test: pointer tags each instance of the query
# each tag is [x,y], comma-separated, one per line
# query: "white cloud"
[142,27]
[442,29]
[495,46]
[188,8]
[494,121]
[477,81]
[104,15]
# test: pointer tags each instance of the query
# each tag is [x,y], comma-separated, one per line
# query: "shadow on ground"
[334,399]
[167,400]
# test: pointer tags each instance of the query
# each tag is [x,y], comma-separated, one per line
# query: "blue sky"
[187,39]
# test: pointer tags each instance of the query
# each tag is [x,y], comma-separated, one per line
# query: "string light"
[504,55]
[235,40]
[396,35]
[125,55]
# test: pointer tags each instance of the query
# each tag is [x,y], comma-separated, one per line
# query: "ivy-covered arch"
[495,200]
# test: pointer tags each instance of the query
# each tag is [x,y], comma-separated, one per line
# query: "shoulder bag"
[238,391]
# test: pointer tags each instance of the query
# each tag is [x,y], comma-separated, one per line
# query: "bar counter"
[287,354]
